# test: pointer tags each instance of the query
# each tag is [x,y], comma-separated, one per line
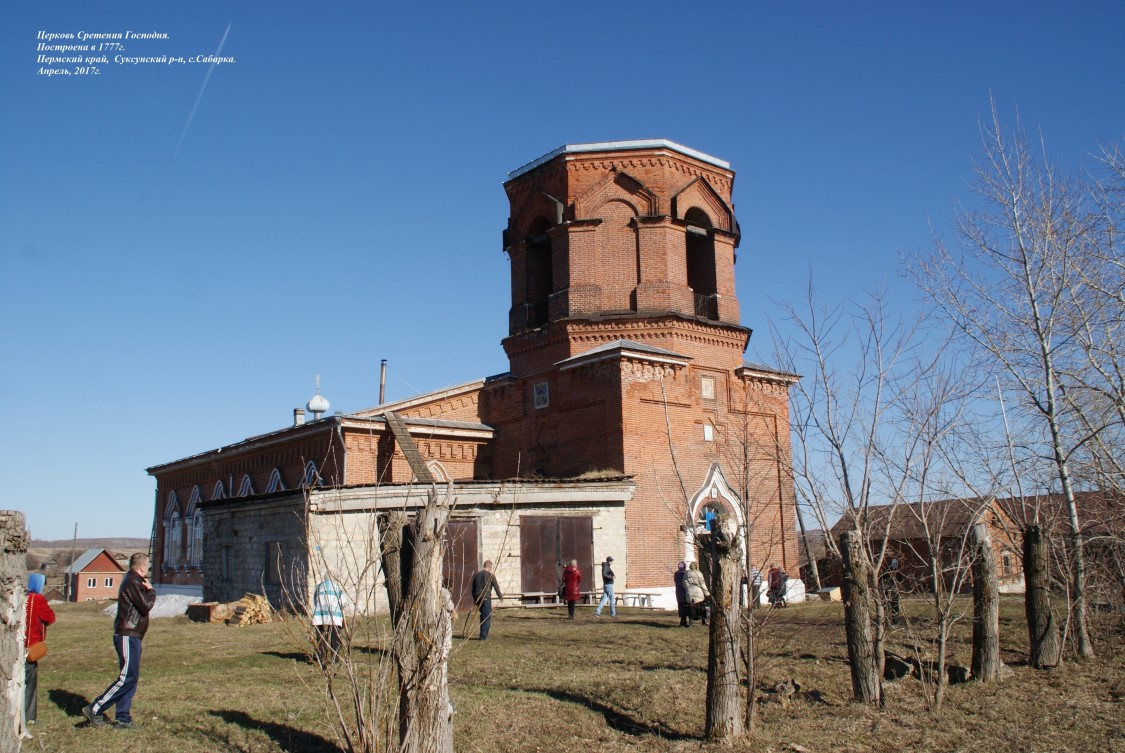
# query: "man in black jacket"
[607,590]
[484,583]
[134,601]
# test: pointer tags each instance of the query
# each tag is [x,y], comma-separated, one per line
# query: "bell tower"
[621,239]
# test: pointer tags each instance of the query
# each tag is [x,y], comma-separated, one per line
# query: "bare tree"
[1013,286]
[854,447]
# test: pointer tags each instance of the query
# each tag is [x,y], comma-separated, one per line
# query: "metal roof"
[618,146]
[625,346]
[87,557]
[767,369]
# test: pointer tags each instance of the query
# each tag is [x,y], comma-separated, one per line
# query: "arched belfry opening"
[700,253]
[540,273]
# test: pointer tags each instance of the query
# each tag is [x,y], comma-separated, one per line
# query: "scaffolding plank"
[408,447]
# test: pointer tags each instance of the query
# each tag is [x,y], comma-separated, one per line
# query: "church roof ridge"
[617,146]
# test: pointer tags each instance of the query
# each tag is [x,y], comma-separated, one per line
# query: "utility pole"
[73,547]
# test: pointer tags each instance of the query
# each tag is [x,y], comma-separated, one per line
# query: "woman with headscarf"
[39,615]
[697,593]
[682,601]
[572,578]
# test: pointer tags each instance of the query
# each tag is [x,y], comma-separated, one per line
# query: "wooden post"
[724,717]
[1044,643]
[986,608]
[13,566]
[867,685]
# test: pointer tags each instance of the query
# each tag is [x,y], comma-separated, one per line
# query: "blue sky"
[337,198]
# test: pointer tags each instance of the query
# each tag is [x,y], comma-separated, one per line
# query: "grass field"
[543,683]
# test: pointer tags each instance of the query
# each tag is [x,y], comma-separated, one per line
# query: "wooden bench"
[635,599]
[539,599]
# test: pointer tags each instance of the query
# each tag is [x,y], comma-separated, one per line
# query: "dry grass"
[543,683]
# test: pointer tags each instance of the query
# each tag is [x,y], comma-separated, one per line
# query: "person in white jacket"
[329,601]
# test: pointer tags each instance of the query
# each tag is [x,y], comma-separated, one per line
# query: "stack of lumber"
[251,609]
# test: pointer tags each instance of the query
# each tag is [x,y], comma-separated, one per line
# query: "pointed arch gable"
[194,500]
[275,483]
[173,505]
[622,187]
[713,491]
[246,488]
[539,205]
[219,492]
[311,476]
[700,195]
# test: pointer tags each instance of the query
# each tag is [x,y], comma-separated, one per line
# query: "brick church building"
[627,415]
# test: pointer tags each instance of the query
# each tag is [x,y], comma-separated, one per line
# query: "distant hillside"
[81,545]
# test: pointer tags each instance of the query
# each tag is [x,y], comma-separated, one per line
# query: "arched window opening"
[247,486]
[196,547]
[540,273]
[173,539]
[218,492]
[700,250]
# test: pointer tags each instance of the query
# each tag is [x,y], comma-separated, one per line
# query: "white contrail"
[203,88]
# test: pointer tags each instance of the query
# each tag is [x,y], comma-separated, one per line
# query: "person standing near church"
[484,583]
[135,600]
[329,601]
[39,615]
[572,579]
[607,589]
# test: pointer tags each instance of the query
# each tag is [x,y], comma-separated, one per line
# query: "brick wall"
[241,540]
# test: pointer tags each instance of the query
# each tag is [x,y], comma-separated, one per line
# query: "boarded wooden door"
[460,561]
[547,544]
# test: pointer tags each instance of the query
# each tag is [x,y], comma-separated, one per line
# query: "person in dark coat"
[135,600]
[484,583]
[682,601]
[39,615]
[572,579]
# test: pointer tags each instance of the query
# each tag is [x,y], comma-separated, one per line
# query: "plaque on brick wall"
[541,396]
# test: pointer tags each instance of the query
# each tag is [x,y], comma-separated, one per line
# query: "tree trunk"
[13,565]
[940,679]
[391,528]
[813,568]
[724,717]
[1045,646]
[866,683]
[421,640]
[751,675]
[986,608]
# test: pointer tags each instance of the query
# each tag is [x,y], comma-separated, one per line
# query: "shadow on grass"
[615,719]
[671,668]
[372,651]
[669,623]
[287,738]
[298,656]
[70,703]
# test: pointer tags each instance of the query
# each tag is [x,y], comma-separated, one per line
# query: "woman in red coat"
[572,578]
[39,615]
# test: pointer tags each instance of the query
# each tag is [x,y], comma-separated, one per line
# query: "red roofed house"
[94,576]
